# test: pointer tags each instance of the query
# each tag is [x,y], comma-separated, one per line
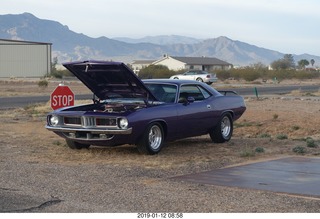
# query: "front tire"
[151,141]
[76,145]
[224,129]
[199,79]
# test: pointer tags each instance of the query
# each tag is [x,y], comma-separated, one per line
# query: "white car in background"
[197,75]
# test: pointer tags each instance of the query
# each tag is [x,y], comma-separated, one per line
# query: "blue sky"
[287,26]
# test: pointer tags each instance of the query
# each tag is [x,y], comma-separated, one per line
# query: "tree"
[302,63]
[279,64]
[287,62]
[288,58]
[312,62]
[54,66]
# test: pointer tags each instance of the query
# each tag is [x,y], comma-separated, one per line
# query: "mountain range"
[68,45]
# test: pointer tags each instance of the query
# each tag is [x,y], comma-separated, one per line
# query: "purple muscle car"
[148,113]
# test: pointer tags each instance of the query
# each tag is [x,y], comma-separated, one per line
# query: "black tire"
[152,139]
[199,79]
[175,78]
[224,129]
[76,145]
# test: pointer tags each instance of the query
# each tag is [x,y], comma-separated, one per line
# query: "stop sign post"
[62,96]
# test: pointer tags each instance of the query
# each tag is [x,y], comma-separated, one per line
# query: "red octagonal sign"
[62,96]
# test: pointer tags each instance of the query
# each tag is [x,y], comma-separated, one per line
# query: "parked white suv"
[197,75]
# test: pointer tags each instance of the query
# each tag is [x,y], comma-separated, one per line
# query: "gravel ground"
[115,189]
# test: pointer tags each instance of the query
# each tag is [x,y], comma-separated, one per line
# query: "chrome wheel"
[223,131]
[155,137]
[225,126]
[152,139]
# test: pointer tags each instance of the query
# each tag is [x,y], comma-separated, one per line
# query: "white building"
[196,63]
[137,65]
[24,58]
[178,63]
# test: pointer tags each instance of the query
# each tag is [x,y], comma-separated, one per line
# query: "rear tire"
[152,139]
[224,129]
[76,145]
[199,79]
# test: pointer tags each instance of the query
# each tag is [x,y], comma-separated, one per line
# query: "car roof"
[180,82]
[172,81]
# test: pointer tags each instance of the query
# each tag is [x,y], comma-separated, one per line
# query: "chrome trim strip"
[93,131]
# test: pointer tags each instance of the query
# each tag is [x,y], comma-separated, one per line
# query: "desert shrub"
[247,152]
[155,71]
[250,74]
[255,72]
[56,143]
[43,83]
[282,136]
[259,150]
[311,143]
[244,123]
[61,73]
[275,116]
[265,135]
[305,74]
[223,75]
[295,127]
[299,150]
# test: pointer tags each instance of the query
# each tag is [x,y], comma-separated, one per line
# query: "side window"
[163,92]
[205,93]
[190,73]
[192,91]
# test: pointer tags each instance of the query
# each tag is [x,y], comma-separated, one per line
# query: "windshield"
[163,92]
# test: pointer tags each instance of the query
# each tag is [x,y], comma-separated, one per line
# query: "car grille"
[72,120]
[89,121]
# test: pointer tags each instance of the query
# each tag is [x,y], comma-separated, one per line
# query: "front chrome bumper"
[92,131]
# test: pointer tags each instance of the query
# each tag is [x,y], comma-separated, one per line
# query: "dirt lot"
[272,127]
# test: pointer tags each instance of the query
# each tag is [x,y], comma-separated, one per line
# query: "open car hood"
[109,79]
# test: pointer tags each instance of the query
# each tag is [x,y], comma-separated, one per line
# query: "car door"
[194,117]
[190,75]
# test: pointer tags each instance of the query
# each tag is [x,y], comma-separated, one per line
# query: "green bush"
[61,74]
[259,150]
[295,127]
[250,75]
[254,73]
[299,150]
[223,75]
[43,83]
[311,143]
[265,135]
[282,136]
[156,71]
[247,152]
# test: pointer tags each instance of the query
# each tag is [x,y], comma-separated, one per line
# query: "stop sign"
[62,96]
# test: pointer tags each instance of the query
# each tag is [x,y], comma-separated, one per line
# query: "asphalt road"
[14,102]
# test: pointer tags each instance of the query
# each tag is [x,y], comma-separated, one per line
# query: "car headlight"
[54,120]
[123,123]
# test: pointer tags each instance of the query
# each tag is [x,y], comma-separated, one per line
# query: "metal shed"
[24,58]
